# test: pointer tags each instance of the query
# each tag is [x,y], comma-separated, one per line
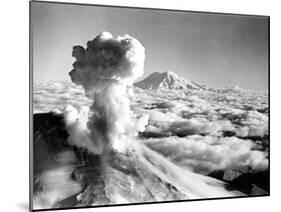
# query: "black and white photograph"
[136,105]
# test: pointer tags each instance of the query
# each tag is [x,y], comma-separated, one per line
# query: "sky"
[213,49]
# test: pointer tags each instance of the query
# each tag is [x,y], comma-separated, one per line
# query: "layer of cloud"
[55,96]
[206,112]
[208,130]
[205,154]
[201,130]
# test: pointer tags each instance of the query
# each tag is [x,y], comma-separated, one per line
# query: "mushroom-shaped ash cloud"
[106,69]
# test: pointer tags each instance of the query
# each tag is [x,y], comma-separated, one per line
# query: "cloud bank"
[207,130]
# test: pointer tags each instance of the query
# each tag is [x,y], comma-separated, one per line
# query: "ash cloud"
[106,61]
[106,69]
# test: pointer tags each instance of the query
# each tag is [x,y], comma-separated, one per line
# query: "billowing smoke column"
[106,69]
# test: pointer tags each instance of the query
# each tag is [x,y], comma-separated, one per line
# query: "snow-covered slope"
[69,176]
[167,80]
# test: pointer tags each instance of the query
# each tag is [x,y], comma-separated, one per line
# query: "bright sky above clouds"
[216,50]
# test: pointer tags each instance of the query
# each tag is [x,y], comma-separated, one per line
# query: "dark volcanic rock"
[249,183]
[50,127]
[50,138]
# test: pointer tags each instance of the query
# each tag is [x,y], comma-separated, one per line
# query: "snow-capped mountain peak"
[167,80]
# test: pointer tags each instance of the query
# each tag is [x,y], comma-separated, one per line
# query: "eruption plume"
[106,69]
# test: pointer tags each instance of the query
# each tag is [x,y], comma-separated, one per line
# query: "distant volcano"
[168,80]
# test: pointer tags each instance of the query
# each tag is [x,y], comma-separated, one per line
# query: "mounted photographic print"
[137,105]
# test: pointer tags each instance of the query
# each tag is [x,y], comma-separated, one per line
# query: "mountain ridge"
[167,80]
